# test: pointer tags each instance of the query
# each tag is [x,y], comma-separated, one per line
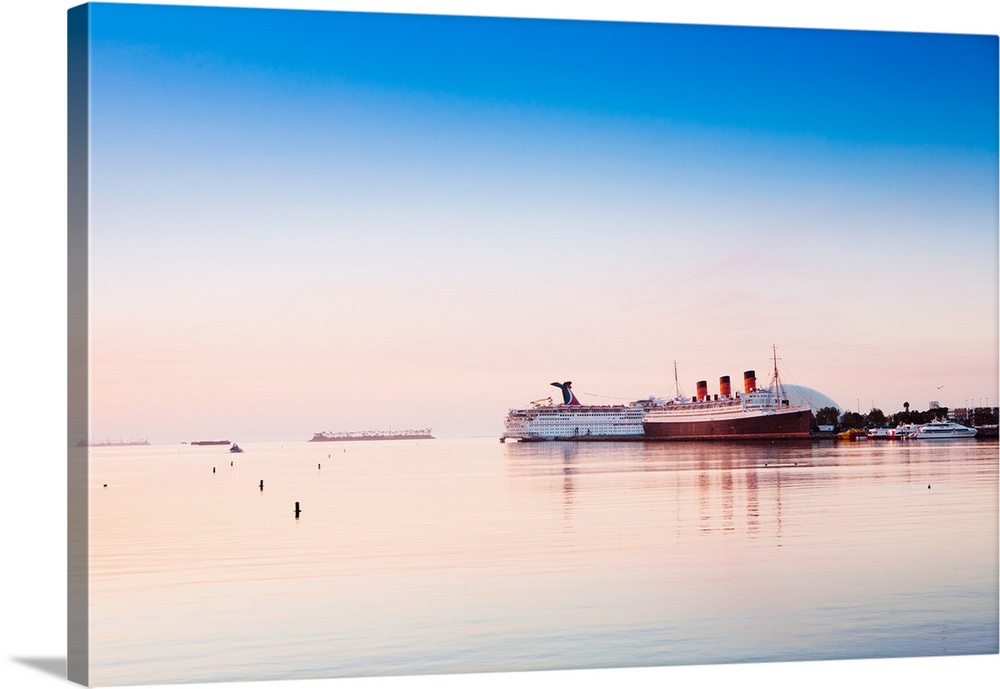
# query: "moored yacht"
[899,432]
[905,430]
[943,430]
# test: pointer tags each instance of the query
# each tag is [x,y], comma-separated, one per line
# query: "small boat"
[987,431]
[905,430]
[900,432]
[943,430]
[236,448]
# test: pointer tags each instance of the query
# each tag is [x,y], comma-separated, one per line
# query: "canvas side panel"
[78,53]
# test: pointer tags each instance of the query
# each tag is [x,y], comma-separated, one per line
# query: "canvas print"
[409,344]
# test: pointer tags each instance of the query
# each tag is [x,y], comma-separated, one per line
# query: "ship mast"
[677,385]
[777,381]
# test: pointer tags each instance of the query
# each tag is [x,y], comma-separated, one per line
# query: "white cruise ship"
[545,420]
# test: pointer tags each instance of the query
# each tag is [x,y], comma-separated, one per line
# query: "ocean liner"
[545,420]
[756,414]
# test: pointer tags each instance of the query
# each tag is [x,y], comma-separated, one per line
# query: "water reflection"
[465,555]
[539,458]
[732,487]
[821,539]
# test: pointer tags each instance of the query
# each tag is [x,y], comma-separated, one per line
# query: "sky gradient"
[306,221]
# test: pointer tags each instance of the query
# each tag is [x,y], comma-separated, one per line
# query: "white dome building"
[799,394]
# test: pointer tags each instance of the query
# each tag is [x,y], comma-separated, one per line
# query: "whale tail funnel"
[568,396]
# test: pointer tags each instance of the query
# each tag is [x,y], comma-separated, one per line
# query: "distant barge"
[112,443]
[419,434]
[211,442]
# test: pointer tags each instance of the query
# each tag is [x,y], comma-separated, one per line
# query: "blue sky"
[331,216]
[852,86]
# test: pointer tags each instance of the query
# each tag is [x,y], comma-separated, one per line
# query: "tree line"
[831,416]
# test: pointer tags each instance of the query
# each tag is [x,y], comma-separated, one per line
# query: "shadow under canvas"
[52,666]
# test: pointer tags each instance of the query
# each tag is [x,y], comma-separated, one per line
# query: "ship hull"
[775,426]
[591,438]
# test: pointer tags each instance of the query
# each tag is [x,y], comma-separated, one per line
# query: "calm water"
[471,555]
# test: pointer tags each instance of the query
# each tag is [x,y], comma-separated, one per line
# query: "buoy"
[105,485]
[297,509]
[928,486]
[319,466]
[262,484]
[213,470]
